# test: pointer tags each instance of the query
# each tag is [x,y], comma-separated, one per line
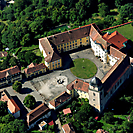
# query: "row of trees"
[29,100]
[26,21]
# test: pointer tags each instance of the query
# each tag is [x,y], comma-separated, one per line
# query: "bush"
[17,86]
[29,101]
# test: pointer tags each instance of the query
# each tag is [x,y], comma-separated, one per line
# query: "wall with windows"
[55,64]
[73,44]
[112,60]
[36,73]
[98,51]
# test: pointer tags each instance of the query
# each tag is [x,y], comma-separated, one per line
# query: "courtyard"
[47,85]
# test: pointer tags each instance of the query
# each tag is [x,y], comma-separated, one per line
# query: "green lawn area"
[83,68]
[125,30]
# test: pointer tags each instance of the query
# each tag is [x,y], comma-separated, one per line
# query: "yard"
[83,68]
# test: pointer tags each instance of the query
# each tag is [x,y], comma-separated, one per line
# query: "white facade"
[112,60]
[98,51]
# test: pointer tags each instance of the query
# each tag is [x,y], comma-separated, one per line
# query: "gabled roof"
[70,35]
[51,54]
[10,71]
[115,38]
[34,68]
[37,113]
[115,73]
[67,111]
[78,84]
[60,99]
[68,128]
[11,104]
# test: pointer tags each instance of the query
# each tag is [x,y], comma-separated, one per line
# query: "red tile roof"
[68,128]
[115,73]
[51,123]
[51,54]
[116,53]
[10,71]
[78,84]
[70,35]
[60,99]
[12,106]
[38,112]
[115,38]
[34,68]
[67,111]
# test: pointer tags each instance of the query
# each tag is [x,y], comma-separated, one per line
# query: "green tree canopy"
[29,101]
[17,86]
[7,118]
[103,9]
[3,108]
[108,117]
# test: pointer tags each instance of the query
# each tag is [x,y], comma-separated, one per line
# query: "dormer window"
[48,52]
[62,40]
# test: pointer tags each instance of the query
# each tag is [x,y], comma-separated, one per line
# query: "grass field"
[83,68]
[125,30]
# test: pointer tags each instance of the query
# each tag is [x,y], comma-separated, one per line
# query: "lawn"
[125,30]
[83,68]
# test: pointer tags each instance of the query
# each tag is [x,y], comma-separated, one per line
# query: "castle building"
[108,47]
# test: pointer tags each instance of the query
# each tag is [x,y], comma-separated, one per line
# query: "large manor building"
[109,47]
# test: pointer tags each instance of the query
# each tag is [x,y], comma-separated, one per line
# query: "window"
[75,43]
[81,39]
[87,37]
[93,99]
[52,62]
[64,44]
[70,45]
[67,43]
[75,40]
[94,94]
[80,42]
[86,40]
[70,42]
[58,60]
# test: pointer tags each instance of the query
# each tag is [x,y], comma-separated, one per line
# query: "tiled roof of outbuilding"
[78,84]
[12,70]
[34,68]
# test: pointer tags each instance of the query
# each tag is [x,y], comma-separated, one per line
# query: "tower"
[96,93]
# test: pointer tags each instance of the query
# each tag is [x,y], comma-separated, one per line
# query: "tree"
[7,118]
[126,11]
[17,86]
[29,57]
[103,9]
[3,108]
[108,117]
[29,101]
[13,61]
